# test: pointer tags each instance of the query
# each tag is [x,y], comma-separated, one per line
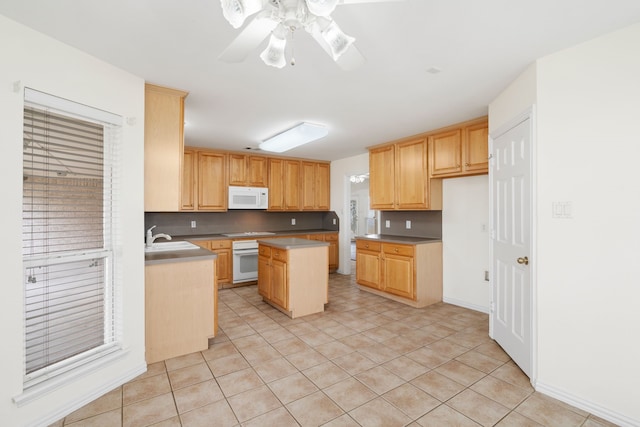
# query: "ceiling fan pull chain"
[293,59]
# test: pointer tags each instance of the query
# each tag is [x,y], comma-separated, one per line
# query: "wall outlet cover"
[408,224]
[387,223]
[293,221]
[193,224]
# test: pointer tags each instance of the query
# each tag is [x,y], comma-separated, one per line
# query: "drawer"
[319,237]
[368,245]
[331,237]
[220,244]
[264,251]
[392,248]
[279,254]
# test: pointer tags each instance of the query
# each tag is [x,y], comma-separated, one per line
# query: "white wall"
[465,242]
[45,64]
[340,189]
[588,112]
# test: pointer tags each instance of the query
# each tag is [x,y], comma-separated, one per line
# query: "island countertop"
[389,238]
[291,243]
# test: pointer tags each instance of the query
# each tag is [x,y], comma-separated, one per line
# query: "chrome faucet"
[151,238]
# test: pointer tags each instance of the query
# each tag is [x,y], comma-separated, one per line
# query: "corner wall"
[587,115]
[37,61]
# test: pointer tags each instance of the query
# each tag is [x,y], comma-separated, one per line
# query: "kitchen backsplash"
[238,221]
[423,223]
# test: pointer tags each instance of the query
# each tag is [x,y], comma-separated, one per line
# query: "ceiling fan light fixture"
[236,11]
[321,7]
[300,134]
[337,40]
[273,55]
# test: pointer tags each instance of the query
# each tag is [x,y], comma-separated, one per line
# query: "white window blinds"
[69,177]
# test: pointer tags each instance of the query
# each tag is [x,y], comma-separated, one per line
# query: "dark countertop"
[291,243]
[399,239]
[256,236]
[178,256]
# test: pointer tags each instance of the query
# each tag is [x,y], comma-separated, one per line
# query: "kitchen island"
[293,275]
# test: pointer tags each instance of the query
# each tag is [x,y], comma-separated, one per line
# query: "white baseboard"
[593,408]
[465,304]
[90,397]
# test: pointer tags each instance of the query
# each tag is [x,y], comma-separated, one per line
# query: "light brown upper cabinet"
[399,177]
[315,186]
[212,182]
[247,170]
[188,179]
[460,151]
[163,147]
[284,185]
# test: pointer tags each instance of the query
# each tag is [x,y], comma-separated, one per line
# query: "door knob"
[523,260]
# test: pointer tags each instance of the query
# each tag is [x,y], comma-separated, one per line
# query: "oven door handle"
[245,251]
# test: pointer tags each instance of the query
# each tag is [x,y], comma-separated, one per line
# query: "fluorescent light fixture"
[294,137]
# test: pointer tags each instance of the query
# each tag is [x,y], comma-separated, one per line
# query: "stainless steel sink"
[170,246]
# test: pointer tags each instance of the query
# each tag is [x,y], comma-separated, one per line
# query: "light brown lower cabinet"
[295,281]
[180,308]
[411,274]
[222,248]
[332,239]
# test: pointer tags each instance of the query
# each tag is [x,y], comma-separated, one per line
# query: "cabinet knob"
[366,245]
[395,250]
[466,164]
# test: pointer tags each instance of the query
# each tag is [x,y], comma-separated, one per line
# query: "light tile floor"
[365,361]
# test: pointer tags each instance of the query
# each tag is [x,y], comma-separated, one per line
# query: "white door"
[510,179]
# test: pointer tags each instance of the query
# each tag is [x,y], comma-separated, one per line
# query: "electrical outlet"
[193,224]
[387,223]
[486,275]
[293,221]
[334,221]
[408,224]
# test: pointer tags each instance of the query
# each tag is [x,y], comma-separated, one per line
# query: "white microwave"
[248,198]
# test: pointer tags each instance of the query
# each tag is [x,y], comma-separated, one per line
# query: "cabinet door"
[163,148]
[257,172]
[308,179]
[476,148]
[188,180]
[368,268]
[237,169]
[446,153]
[398,275]
[292,185]
[323,186]
[279,286]
[264,277]
[212,194]
[223,265]
[276,184]
[412,175]
[333,254]
[381,177]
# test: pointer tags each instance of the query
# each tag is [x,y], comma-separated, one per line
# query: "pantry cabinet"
[460,151]
[407,273]
[248,170]
[163,147]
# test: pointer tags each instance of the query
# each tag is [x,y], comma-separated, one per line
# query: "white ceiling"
[480,46]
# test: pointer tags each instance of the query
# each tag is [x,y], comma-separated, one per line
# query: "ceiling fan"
[281,18]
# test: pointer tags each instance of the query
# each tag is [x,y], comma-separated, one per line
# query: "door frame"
[529,113]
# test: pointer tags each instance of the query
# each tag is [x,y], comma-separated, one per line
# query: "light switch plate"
[408,224]
[387,223]
[193,224]
[293,221]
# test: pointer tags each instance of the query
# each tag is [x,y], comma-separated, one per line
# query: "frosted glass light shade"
[338,41]
[273,55]
[294,137]
[236,11]
[321,7]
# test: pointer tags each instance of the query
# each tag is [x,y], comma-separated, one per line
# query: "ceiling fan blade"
[249,39]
